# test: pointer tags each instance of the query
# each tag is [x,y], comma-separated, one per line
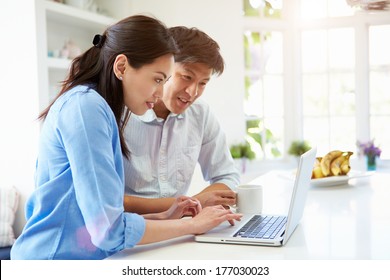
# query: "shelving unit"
[57,23]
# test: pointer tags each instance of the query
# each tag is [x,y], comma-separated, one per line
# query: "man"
[166,143]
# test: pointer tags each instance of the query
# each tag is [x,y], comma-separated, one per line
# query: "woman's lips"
[150,105]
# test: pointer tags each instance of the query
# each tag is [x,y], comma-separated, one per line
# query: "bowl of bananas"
[334,169]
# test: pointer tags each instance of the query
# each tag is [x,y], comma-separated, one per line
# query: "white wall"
[19,103]
[220,19]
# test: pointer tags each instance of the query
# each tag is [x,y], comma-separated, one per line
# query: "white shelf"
[76,17]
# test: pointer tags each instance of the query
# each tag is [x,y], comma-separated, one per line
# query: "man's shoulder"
[199,108]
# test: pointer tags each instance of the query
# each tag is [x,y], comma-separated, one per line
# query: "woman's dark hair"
[141,39]
[195,46]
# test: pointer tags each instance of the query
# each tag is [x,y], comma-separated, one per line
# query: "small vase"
[371,163]
[241,164]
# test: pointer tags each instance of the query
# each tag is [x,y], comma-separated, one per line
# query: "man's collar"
[151,116]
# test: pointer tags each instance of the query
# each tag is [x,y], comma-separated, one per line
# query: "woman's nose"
[159,92]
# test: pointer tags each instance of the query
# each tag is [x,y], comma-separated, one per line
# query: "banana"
[335,165]
[317,172]
[327,159]
[345,167]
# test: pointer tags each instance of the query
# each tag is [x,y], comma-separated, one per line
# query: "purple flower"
[368,149]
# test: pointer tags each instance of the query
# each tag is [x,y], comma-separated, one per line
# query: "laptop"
[263,229]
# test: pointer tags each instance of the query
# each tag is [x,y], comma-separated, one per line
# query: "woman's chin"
[140,111]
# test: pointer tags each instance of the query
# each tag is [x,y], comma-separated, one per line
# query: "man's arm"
[215,194]
[142,205]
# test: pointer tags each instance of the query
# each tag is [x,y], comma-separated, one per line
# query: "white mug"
[82,4]
[249,199]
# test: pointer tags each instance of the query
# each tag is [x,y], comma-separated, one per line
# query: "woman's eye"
[159,81]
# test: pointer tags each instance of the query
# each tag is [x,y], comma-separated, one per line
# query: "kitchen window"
[318,71]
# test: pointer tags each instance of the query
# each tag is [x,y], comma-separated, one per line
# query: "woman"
[76,210]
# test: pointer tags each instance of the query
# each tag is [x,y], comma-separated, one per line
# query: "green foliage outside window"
[256,131]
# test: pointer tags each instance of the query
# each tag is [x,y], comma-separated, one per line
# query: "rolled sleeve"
[134,229]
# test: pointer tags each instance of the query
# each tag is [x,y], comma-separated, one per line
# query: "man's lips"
[183,100]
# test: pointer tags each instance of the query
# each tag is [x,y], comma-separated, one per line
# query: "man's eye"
[185,77]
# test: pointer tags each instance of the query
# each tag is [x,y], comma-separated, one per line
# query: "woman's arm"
[207,219]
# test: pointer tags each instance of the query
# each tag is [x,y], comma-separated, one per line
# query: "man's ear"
[120,65]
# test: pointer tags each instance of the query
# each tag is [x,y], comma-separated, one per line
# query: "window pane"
[266,142]
[274,137]
[273,96]
[341,48]
[263,8]
[343,133]
[263,52]
[273,52]
[314,51]
[315,95]
[380,92]
[253,103]
[316,130]
[342,94]
[379,46]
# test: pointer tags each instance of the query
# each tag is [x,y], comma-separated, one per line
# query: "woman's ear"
[120,65]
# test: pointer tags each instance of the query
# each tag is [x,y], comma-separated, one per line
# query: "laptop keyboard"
[266,227]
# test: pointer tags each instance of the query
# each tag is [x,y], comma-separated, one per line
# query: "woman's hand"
[211,217]
[203,220]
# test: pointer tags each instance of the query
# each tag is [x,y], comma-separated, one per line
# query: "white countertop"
[350,221]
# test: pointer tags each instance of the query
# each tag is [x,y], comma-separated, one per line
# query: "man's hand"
[183,206]
[226,198]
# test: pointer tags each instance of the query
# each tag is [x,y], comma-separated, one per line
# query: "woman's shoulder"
[81,95]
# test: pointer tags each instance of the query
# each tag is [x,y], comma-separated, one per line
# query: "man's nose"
[193,90]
